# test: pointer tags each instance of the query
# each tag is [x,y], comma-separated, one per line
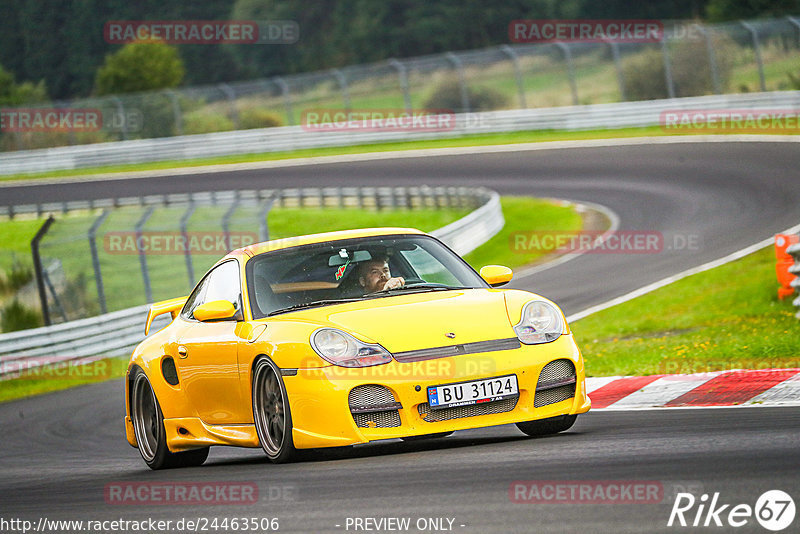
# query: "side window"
[220,284]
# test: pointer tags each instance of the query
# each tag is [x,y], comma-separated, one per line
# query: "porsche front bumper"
[321,408]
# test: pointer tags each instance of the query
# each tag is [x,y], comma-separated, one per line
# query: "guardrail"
[794,252]
[117,333]
[310,197]
[265,140]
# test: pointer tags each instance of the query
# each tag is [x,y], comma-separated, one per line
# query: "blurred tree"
[140,67]
[14,94]
[722,10]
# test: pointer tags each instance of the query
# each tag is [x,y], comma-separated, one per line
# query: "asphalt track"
[58,451]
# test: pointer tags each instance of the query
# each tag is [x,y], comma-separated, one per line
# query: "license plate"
[473,392]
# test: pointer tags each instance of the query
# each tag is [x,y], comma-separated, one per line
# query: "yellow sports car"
[347,337]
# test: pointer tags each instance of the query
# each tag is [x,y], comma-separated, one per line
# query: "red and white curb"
[762,387]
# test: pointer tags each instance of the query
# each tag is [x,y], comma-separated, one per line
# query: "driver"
[374,275]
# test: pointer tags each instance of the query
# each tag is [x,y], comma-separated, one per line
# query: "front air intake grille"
[374,406]
[370,395]
[556,383]
[377,419]
[446,414]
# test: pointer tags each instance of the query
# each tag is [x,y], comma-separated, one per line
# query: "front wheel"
[148,426]
[551,425]
[271,413]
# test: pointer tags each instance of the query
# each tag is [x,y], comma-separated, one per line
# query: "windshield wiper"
[311,305]
[422,287]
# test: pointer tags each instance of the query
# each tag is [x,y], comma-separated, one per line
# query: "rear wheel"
[148,426]
[271,413]
[551,425]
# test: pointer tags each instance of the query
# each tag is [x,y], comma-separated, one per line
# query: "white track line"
[683,274]
[786,393]
[609,214]
[663,390]
[596,382]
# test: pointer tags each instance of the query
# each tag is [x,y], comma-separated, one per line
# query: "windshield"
[355,269]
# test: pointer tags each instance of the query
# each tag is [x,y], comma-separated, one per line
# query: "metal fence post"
[98,276]
[121,110]
[618,66]
[38,270]
[176,110]
[226,220]
[56,300]
[342,81]
[712,60]
[757,49]
[796,23]
[287,98]
[59,105]
[187,253]
[402,74]
[462,81]
[148,291]
[667,69]
[230,94]
[263,227]
[564,47]
[517,73]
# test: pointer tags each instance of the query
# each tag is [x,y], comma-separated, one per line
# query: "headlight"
[541,322]
[340,348]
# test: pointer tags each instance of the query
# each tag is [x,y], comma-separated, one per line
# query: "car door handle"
[182,352]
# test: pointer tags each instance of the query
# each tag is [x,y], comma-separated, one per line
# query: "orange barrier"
[784,262]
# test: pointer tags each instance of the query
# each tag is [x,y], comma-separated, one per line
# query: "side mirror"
[214,311]
[496,275]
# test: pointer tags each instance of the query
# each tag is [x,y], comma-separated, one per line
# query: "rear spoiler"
[171,306]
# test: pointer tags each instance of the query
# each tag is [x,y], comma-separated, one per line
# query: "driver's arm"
[394,283]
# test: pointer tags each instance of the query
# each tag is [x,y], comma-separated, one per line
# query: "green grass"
[523,215]
[725,318]
[62,376]
[536,136]
[15,240]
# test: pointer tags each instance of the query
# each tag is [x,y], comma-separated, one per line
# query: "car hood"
[423,320]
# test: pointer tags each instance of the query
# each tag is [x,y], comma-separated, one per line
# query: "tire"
[545,427]
[271,412]
[427,436]
[148,426]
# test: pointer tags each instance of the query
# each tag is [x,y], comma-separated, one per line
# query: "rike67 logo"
[774,510]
